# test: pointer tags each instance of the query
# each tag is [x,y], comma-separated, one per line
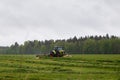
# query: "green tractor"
[57,52]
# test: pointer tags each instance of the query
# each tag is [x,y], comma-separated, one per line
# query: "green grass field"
[77,67]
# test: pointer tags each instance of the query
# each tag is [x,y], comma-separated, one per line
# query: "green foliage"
[77,67]
[87,45]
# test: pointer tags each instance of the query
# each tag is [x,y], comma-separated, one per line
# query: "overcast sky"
[22,20]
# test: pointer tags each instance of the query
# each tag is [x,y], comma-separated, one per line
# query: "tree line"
[82,45]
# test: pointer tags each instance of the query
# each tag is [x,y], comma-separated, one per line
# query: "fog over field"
[22,20]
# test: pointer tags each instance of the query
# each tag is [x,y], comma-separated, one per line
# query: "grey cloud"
[57,18]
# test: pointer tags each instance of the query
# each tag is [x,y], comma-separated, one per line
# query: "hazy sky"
[22,20]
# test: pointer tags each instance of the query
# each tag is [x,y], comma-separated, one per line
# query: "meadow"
[77,67]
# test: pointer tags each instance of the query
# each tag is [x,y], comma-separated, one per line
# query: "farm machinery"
[57,52]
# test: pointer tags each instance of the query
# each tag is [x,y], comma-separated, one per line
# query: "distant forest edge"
[83,45]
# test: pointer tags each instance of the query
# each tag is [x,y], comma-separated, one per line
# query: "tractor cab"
[58,48]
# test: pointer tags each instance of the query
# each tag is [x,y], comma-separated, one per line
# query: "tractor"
[57,52]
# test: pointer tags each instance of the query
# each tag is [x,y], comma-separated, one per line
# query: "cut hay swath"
[38,56]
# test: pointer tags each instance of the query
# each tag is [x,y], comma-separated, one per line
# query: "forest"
[82,45]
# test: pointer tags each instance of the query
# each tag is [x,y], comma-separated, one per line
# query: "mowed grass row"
[77,67]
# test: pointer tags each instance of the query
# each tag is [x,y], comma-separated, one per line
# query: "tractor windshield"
[58,48]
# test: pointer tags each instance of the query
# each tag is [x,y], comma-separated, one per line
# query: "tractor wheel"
[52,54]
